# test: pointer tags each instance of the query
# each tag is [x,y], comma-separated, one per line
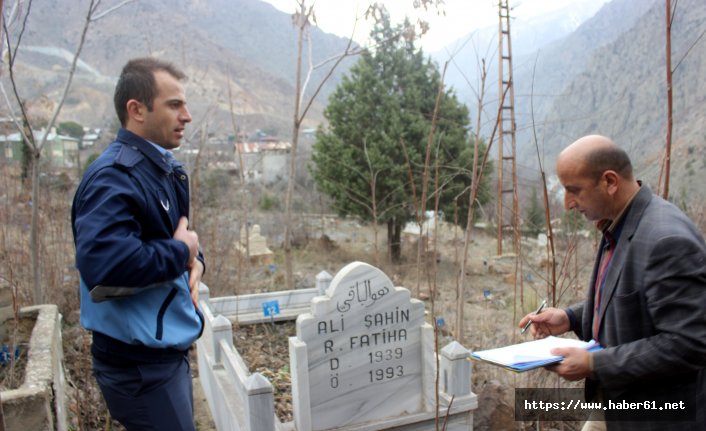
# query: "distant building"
[309,132]
[90,136]
[266,161]
[61,151]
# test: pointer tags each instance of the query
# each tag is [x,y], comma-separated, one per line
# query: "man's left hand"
[574,366]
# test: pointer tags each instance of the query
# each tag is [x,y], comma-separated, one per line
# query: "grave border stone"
[243,401]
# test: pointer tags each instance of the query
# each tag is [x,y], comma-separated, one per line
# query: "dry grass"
[490,320]
[265,350]
[15,338]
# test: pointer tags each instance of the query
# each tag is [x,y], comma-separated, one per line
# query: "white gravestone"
[357,356]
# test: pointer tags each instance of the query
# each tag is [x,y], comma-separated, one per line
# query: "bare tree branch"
[28,136]
[98,16]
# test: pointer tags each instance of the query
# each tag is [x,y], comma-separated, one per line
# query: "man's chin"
[587,216]
[170,145]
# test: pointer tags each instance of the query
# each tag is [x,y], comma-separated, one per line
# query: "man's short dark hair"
[137,82]
[609,158]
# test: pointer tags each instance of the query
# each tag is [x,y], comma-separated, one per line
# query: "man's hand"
[195,273]
[551,321]
[191,239]
[574,366]
[188,237]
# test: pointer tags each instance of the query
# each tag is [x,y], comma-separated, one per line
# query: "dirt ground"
[499,291]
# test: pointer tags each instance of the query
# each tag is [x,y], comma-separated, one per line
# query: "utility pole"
[507,167]
[507,162]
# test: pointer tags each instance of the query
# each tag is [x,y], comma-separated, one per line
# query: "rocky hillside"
[244,50]
[573,74]
[621,92]
[608,76]
[528,36]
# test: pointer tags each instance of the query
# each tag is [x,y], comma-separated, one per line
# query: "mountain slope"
[608,76]
[528,36]
[541,75]
[622,93]
[244,50]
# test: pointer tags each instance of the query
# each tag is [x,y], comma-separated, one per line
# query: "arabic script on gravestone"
[364,346]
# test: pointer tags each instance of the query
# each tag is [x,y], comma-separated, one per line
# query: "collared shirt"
[168,155]
[162,151]
[611,235]
[607,226]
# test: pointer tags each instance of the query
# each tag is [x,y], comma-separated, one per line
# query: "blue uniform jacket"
[134,277]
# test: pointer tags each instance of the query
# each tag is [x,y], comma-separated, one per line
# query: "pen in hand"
[539,310]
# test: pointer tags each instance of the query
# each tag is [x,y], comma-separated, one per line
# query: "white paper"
[531,351]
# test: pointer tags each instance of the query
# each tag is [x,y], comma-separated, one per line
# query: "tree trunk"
[27,153]
[394,244]
[668,151]
[288,265]
[37,291]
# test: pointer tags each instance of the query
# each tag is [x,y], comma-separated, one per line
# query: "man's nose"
[569,202]
[185,115]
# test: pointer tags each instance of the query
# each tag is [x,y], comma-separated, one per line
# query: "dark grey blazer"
[653,316]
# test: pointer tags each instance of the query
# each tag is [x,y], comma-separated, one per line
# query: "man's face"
[165,124]
[584,193]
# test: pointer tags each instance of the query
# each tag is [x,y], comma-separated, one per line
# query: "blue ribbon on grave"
[5,356]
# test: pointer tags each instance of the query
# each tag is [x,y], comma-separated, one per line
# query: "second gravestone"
[357,356]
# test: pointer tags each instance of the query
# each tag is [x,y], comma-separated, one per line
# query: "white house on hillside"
[61,151]
[266,161]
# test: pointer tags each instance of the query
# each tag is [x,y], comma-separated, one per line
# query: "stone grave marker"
[258,250]
[357,356]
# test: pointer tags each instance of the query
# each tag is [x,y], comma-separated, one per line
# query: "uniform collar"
[167,156]
[150,150]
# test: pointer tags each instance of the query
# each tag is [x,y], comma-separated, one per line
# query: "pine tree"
[378,118]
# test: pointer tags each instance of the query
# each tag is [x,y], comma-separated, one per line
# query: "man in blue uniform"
[140,265]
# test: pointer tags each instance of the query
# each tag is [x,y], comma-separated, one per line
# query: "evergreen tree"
[535,222]
[71,128]
[379,118]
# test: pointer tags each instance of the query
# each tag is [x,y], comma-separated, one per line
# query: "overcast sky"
[461,18]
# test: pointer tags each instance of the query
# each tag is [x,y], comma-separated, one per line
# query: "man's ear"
[135,110]
[612,179]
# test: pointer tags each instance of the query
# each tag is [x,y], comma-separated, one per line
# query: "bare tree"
[547,214]
[243,258]
[666,161]
[23,123]
[478,170]
[302,19]
[373,198]
[668,147]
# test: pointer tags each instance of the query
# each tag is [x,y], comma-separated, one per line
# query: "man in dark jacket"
[646,302]
[140,265]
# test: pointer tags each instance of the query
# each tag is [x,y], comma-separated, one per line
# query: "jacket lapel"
[632,221]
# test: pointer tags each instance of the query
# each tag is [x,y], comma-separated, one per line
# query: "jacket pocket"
[162,310]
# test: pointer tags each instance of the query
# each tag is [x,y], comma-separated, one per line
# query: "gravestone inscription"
[357,357]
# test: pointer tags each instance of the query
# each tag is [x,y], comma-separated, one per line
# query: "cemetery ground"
[490,308]
[493,302]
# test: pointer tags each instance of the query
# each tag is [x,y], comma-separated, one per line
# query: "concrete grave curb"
[39,403]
